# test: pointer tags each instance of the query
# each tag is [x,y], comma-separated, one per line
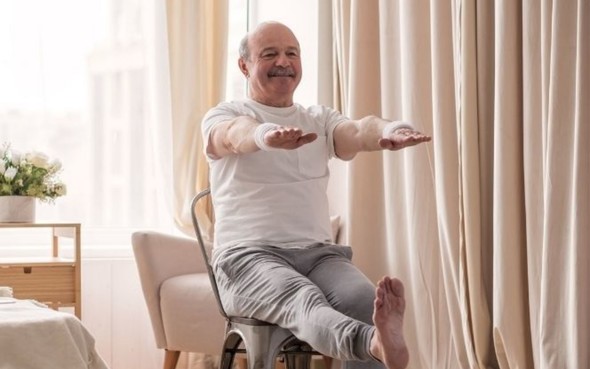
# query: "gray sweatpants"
[315,292]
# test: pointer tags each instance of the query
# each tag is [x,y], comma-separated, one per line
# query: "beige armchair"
[180,301]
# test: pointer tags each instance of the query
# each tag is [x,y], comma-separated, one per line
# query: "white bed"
[33,336]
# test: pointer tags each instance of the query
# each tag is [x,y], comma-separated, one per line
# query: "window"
[238,25]
[77,83]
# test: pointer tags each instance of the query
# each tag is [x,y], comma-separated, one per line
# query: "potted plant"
[25,177]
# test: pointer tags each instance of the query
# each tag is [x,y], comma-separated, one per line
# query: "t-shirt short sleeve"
[221,113]
[331,118]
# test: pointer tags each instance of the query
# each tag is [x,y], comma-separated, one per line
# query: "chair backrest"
[201,195]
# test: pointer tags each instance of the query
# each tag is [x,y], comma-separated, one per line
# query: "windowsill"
[96,243]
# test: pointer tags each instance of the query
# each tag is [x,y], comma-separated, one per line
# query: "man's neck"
[275,103]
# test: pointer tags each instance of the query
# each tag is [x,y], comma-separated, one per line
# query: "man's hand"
[402,137]
[288,138]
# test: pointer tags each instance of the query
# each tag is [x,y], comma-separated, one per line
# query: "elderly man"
[273,258]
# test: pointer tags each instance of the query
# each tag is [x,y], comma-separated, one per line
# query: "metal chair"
[262,342]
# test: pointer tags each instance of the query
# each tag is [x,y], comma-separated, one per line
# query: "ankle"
[375,348]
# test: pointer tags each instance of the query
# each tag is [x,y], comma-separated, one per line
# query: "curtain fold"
[197,39]
[564,288]
[365,199]
[511,331]
[474,150]
[402,236]
[488,225]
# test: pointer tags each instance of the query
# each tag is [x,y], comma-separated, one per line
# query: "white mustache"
[281,72]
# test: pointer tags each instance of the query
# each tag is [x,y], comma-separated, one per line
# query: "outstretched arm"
[371,134]
[244,134]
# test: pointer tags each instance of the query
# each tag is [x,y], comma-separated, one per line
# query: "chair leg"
[228,353]
[171,359]
[298,361]
[242,362]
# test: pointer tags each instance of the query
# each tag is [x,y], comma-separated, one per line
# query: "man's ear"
[243,67]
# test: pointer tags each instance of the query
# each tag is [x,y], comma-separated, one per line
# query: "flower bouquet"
[29,174]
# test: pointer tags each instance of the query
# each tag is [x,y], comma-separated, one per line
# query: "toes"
[397,287]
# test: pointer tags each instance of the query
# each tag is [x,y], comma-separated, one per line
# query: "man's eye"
[268,55]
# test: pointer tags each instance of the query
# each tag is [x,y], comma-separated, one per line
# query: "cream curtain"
[488,225]
[197,39]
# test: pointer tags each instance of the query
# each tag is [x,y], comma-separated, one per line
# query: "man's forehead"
[278,47]
[274,37]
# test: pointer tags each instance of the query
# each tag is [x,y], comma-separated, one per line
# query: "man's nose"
[283,60]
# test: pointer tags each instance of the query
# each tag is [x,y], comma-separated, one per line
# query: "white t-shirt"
[273,197]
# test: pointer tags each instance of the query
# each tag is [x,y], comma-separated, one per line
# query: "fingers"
[410,133]
[307,138]
[286,133]
[388,144]
[401,138]
[289,138]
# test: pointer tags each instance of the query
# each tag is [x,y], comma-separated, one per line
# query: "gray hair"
[244,49]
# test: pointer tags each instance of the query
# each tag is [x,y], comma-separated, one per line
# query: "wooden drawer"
[54,284]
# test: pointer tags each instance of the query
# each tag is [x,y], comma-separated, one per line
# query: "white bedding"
[33,336]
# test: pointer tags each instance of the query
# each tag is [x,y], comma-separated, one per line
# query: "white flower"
[15,157]
[10,173]
[54,166]
[60,189]
[38,159]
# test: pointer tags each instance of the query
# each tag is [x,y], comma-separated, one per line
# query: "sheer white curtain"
[488,224]
[556,80]
[82,82]
[197,34]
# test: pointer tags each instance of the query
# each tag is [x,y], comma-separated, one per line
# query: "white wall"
[115,313]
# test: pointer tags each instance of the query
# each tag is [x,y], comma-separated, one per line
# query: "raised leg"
[388,343]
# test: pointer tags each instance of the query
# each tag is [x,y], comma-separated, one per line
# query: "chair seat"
[248,321]
[184,321]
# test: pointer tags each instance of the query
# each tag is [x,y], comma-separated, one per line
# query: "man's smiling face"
[273,67]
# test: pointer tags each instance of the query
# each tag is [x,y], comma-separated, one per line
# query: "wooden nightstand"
[52,279]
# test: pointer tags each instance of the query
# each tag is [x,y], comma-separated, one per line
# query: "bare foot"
[388,344]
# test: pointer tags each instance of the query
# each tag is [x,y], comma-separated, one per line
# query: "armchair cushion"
[190,315]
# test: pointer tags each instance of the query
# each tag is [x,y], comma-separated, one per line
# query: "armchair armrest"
[158,257]
[167,255]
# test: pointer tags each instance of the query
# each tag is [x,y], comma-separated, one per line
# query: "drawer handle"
[27,270]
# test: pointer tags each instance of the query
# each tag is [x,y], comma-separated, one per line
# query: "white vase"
[17,209]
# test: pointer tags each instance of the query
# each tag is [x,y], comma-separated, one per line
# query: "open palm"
[403,137]
[288,138]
